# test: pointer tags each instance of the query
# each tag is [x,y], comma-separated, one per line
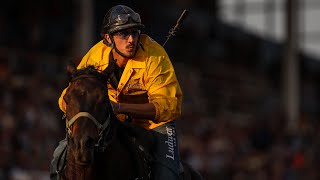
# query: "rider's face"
[126,41]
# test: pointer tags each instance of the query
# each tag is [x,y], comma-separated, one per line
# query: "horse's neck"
[120,161]
[117,162]
[131,153]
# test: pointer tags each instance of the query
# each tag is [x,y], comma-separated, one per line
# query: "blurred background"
[249,70]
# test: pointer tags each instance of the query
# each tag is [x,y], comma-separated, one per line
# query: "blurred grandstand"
[230,57]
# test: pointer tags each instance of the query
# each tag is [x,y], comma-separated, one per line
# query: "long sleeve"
[163,88]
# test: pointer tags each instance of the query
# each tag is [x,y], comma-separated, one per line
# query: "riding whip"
[175,28]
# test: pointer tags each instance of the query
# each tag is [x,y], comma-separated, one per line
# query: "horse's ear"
[71,68]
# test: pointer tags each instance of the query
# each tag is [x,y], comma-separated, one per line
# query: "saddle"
[59,160]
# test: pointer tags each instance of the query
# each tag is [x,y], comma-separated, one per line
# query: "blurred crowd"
[232,126]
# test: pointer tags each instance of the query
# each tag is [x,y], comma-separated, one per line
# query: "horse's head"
[88,112]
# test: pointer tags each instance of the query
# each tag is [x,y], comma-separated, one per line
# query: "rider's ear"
[107,37]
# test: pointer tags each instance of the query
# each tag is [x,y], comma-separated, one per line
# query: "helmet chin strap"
[123,55]
[113,45]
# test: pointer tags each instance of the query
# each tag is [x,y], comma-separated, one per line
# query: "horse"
[99,146]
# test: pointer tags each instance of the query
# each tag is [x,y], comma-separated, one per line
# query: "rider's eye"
[124,34]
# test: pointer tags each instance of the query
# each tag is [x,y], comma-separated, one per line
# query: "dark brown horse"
[99,145]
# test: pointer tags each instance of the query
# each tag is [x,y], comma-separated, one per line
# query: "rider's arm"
[92,57]
[61,102]
[163,89]
[164,94]
[140,111]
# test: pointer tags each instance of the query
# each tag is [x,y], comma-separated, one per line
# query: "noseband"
[101,127]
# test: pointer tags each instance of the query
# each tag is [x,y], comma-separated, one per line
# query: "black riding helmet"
[120,17]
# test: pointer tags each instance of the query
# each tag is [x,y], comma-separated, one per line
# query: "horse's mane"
[89,70]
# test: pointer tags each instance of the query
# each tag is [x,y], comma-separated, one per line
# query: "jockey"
[143,86]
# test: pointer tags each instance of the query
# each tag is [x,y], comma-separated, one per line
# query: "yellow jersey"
[148,77]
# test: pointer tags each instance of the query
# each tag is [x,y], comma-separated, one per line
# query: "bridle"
[100,127]
[103,129]
[105,136]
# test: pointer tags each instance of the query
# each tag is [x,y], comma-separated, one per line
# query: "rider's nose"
[130,38]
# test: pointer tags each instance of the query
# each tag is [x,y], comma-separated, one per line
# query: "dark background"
[233,124]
